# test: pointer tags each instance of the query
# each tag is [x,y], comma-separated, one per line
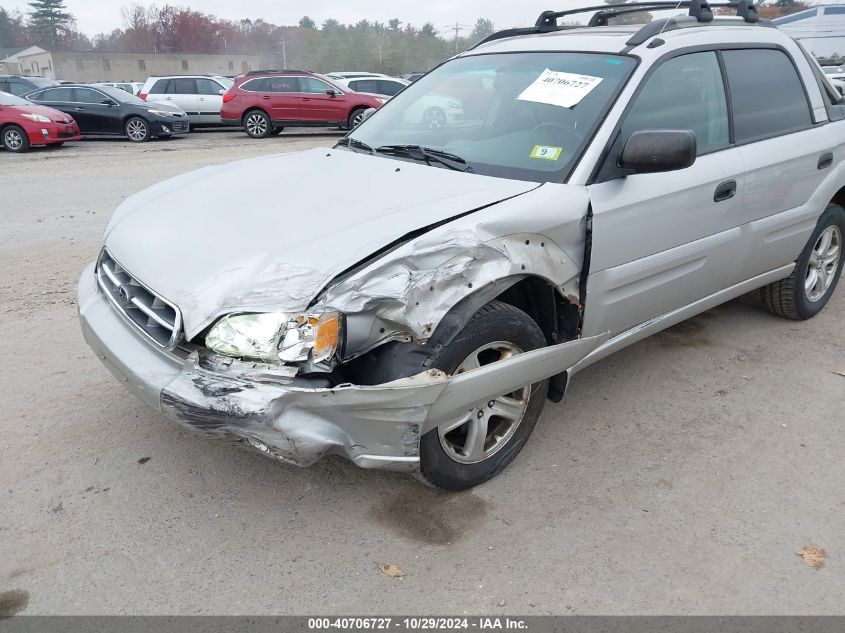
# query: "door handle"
[266,97]
[725,191]
[825,160]
[80,109]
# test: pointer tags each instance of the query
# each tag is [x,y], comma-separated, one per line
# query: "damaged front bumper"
[296,421]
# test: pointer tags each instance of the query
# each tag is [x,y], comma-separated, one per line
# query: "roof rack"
[278,72]
[701,12]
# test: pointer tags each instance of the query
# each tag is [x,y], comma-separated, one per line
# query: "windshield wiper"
[353,144]
[427,155]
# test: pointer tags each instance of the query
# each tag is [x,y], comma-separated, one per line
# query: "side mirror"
[652,151]
[108,102]
[332,92]
[221,92]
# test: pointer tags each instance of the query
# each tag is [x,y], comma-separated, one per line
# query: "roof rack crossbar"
[700,10]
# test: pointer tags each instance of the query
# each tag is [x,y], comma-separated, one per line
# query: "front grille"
[179,126]
[156,318]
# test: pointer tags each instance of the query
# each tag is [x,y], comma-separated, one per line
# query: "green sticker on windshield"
[546,152]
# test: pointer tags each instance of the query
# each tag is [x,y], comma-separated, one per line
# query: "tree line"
[391,47]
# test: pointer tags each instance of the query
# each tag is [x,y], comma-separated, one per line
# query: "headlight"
[164,113]
[276,336]
[247,335]
[40,118]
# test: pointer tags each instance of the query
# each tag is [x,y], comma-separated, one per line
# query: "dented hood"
[268,233]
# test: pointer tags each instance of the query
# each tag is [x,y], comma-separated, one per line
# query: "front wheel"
[15,139]
[356,117]
[137,130]
[482,441]
[805,292]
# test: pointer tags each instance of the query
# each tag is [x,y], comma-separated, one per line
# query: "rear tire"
[15,139]
[137,130]
[807,290]
[257,124]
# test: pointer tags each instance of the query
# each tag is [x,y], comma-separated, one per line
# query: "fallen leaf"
[391,570]
[813,556]
[839,373]
[747,377]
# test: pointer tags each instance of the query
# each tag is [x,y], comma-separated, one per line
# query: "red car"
[264,102]
[23,124]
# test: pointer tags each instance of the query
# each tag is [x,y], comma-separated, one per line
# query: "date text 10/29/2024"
[480,623]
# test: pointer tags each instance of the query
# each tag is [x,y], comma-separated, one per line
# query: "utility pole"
[284,54]
[457,28]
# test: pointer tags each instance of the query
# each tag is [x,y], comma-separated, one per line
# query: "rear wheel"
[257,124]
[15,139]
[137,130]
[805,292]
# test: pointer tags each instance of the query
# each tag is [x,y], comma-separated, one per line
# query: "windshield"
[525,116]
[7,99]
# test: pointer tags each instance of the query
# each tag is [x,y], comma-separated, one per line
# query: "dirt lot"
[680,476]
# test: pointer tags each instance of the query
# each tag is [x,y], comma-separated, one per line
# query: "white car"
[132,87]
[201,96]
[344,74]
[374,84]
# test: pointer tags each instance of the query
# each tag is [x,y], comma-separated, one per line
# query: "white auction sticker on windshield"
[560,89]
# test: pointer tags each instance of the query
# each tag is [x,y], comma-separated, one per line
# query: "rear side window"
[184,86]
[254,85]
[18,88]
[364,85]
[4,86]
[766,102]
[159,87]
[57,94]
[684,93]
[282,84]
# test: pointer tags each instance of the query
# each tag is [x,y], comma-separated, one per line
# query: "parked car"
[411,298]
[112,111]
[23,125]
[132,87]
[265,104]
[377,85]
[20,85]
[412,77]
[343,74]
[201,96]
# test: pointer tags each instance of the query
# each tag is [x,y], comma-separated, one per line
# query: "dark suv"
[20,85]
[264,102]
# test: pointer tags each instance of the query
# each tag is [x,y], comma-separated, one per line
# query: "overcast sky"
[96,16]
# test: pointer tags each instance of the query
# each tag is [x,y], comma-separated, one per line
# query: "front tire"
[15,139]
[356,117]
[807,290]
[480,444]
[257,124]
[137,130]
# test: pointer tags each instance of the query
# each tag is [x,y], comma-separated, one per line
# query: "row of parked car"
[262,102]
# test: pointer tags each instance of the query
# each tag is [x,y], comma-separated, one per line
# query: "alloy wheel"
[256,125]
[136,130]
[824,263]
[487,427]
[13,140]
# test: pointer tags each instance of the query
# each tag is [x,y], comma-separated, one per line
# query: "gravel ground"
[679,477]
